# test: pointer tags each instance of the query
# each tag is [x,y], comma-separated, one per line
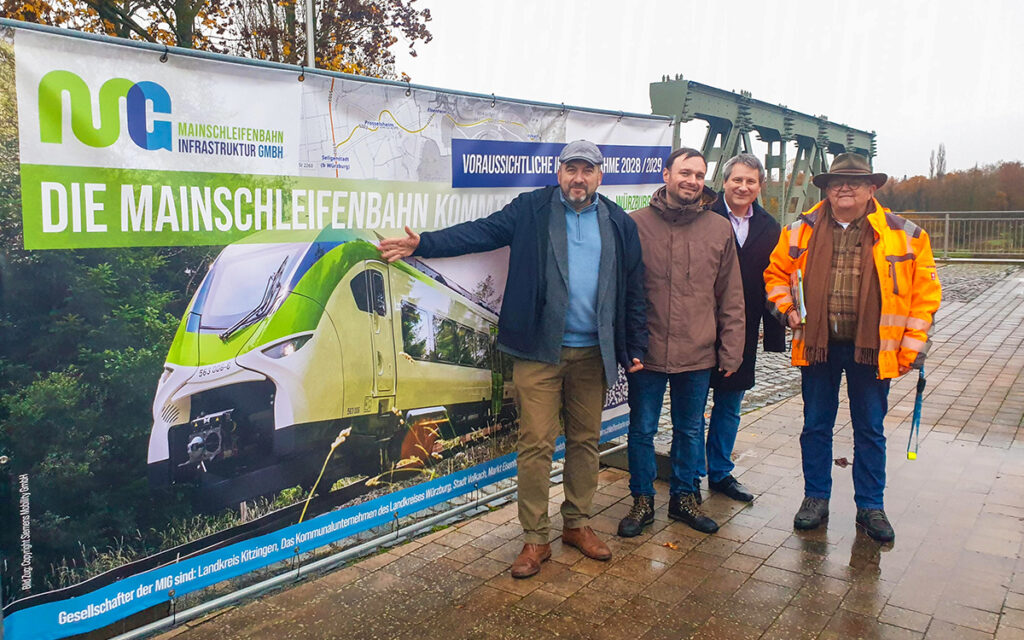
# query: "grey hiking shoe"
[812,513]
[875,524]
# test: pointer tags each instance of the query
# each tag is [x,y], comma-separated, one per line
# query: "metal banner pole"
[310,42]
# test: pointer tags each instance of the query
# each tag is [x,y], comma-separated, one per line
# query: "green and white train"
[287,344]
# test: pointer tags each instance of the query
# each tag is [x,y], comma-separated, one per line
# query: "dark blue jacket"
[522,225]
[762,236]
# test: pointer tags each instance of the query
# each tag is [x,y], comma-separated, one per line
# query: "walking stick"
[915,426]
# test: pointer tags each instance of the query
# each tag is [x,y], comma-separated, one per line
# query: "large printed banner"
[198,325]
[134,152]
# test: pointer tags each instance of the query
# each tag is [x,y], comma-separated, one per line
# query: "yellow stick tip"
[911,455]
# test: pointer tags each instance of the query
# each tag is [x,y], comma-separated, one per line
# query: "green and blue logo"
[51,111]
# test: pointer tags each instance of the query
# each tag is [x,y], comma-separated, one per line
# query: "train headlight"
[287,347]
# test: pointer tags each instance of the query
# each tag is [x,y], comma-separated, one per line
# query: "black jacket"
[522,225]
[762,237]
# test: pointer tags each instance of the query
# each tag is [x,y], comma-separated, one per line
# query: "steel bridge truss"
[731,118]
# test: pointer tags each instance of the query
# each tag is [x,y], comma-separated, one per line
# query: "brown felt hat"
[846,165]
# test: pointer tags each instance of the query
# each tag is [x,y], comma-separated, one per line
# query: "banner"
[199,331]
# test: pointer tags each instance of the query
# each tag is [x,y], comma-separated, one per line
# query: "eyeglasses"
[835,184]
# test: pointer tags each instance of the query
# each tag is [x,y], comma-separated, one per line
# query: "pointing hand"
[392,249]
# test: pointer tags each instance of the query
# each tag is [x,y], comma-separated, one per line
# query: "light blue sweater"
[584,242]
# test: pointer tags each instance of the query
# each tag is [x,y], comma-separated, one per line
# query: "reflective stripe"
[777,290]
[914,344]
[919,324]
[898,321]
[888,345]
[892,320]
[794,237]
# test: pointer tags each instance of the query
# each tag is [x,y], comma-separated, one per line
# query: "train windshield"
[242,278]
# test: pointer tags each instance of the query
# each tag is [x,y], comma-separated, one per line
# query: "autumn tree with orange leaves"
[354,36]
[997,187]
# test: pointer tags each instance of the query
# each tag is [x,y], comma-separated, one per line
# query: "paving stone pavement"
[954,571]
[777,380]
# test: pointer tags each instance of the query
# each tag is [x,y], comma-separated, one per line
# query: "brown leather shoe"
[584,539]
[529,559]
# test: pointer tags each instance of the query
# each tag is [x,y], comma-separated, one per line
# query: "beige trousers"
[572,390]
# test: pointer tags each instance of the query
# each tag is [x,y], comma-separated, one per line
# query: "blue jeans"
[869,402]
[688,395]
[725,422]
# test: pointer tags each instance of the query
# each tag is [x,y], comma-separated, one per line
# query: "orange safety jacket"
[906,274]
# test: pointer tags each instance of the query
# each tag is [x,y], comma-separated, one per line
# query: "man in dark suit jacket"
[756,233]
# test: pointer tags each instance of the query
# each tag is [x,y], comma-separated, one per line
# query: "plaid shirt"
[845,280]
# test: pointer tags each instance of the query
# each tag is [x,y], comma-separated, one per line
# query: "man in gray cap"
[573,309]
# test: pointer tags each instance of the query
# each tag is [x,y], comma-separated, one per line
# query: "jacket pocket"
[701,268]
[901,272]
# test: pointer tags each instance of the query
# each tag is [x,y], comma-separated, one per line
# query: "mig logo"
[55,84]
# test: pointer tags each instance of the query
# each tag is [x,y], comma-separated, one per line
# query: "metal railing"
[973,234]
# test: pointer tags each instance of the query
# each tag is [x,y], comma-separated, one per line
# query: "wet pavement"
[954,571]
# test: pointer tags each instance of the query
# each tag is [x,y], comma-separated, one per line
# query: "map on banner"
[378,132]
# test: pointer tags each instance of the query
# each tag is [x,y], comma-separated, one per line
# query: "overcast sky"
[918,73]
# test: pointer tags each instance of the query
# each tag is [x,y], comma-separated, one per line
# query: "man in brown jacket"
[695,318]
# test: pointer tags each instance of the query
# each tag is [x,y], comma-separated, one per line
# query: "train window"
[482,355]
[446,340]
[368,292]
[361,290]
[416,332]
[467,345]
[380,298]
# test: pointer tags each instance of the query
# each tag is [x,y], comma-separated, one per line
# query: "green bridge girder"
[731,118]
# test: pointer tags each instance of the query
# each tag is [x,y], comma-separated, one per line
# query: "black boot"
[684,508]
[641,515]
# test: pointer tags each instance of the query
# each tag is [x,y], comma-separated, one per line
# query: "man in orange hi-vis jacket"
[857,285]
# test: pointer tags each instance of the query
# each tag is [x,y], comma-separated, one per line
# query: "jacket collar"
[758,221]
[686,214]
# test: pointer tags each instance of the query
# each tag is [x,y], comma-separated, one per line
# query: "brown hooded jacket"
[695,308]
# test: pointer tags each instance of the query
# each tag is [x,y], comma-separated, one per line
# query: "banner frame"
[299,70]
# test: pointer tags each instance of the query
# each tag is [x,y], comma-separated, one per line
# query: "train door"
[382,335]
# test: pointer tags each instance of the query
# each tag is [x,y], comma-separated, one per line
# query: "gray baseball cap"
[581,150]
